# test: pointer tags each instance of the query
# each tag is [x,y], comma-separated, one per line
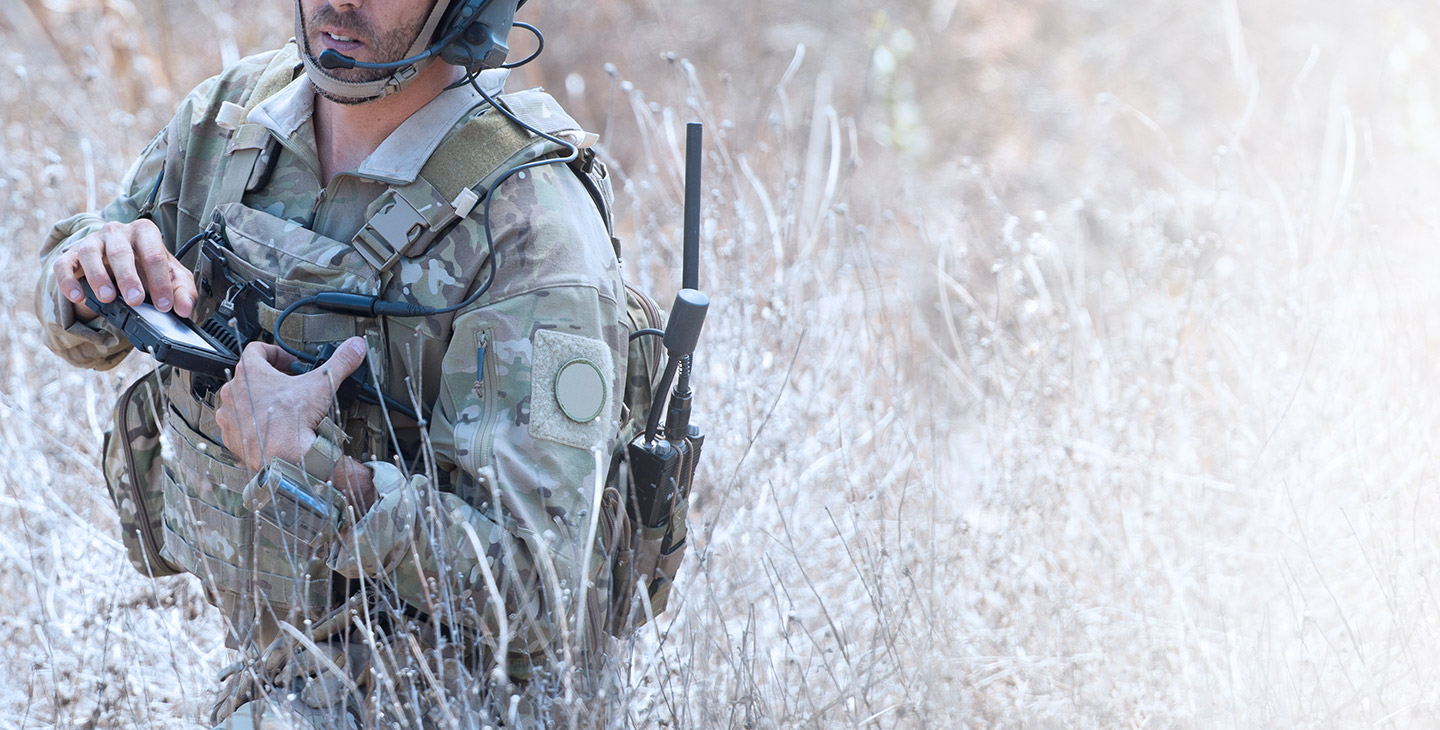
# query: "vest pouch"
[640,555]
[211,531]
[297,263]
[300,263]
[658,553]
[298,260]
[133,466]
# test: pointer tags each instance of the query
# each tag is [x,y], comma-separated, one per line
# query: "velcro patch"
[564,407]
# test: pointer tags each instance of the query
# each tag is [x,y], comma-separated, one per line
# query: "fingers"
[273,355]
[345,361]
[223,417]
[256,358]
[186,295]
[65,268]
[225,420]
[233,436]
[91,260]
[120,254]
[154,262]
[125,259]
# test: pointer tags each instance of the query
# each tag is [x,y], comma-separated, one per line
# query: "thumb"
[346,360]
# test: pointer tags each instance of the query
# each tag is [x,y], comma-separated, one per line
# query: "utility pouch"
[296,510]
[134,473]
[645,553]
[658,554]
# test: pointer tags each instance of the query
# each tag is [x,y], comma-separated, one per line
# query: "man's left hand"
[265,412]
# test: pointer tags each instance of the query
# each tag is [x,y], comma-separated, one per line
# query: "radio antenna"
[694,134]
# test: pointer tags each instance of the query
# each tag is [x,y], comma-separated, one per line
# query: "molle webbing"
[249,140]
[303,329]
[211,532]
[462,171]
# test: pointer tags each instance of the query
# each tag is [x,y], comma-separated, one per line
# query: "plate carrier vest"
[185,510]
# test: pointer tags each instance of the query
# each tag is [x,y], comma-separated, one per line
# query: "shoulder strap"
[247,140]
[461,172]
[596,178]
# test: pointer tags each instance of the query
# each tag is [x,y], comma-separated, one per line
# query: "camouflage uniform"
[495,494]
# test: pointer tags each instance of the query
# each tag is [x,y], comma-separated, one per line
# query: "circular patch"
[580,390]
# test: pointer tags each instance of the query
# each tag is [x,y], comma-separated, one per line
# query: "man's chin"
[346,75]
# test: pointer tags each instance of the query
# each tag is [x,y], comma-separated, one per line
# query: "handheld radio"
[662,469]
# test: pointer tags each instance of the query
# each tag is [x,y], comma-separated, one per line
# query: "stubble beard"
[384,47]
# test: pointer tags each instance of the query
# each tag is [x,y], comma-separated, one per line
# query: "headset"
[471,33]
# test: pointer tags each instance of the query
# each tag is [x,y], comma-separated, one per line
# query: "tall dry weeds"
[1067,365]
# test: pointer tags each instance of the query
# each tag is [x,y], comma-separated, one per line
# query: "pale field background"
[1071,364]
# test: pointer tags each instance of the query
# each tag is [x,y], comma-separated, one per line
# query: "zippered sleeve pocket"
[471,374]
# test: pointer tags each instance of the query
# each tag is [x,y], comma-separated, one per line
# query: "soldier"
[464,565]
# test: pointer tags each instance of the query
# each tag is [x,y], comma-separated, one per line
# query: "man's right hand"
[129,258]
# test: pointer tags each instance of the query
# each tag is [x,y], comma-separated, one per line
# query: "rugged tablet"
[166,336]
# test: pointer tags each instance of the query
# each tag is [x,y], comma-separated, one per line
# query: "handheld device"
[168,338]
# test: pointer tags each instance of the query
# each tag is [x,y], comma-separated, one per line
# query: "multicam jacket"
[498,490]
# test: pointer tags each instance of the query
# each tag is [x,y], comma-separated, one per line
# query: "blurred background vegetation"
[1071,363]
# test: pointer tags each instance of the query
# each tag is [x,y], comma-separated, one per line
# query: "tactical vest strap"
[596,178]
[403,223]
[473,153]
[407,218]
[303,328]
[239,163]
[249,140]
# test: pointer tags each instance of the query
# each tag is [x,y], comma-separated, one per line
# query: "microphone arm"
[333,59]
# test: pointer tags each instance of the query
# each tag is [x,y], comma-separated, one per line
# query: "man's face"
[376,31]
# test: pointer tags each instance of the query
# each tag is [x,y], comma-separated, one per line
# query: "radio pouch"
[644,559]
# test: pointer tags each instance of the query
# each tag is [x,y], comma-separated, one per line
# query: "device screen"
[173,328]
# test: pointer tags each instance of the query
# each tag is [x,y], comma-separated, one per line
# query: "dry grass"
[1069,366]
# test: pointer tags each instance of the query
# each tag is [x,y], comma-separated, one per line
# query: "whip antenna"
[694,135]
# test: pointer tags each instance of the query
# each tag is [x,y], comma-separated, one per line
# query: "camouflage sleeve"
[97,344]
[94,344]
[529,404]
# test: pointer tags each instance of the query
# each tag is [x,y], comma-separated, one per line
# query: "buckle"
[387,235]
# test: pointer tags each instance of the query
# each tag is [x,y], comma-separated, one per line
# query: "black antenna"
[694,135]
[662,469]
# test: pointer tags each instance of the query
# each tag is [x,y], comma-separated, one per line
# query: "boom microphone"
[465,16]
[333,59]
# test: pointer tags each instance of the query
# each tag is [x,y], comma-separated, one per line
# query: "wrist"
[323,457]
[356,481]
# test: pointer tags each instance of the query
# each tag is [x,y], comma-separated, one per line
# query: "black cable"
[280,339]
[652,424]
[368,306]
[651,332]
[180,252]
[539,40]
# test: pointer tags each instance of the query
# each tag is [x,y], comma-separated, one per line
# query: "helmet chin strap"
[367,91]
